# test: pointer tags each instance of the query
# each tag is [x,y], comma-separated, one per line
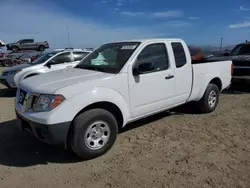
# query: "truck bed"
[204,72]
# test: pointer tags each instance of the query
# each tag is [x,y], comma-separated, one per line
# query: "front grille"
[26,99]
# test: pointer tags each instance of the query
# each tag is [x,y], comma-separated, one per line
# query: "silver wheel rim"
[212,99]
[97,135]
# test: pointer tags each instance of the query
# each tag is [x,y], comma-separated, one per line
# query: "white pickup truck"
[82,108]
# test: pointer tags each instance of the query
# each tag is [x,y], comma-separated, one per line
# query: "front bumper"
[55,134]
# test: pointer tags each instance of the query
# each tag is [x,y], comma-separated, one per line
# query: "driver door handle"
[169,77]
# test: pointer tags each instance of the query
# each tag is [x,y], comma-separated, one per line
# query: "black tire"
[79,133]
[41,48]
[14,49]
[203,105]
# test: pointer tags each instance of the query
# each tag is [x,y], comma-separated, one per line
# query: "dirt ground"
[172,149]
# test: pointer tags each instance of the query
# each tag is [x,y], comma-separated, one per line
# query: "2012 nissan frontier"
[82,108]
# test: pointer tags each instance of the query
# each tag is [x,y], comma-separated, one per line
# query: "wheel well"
[217,82]
[112,108]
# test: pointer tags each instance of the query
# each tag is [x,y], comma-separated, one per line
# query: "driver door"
[152,90]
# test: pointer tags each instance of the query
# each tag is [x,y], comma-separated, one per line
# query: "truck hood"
[50,82]
[17,67]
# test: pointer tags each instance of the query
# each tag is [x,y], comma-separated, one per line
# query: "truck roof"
[151,40]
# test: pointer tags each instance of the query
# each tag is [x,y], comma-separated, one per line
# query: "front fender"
[72,106]
[21,75]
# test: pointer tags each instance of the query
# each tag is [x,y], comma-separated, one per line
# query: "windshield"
[109,57]
[43,58]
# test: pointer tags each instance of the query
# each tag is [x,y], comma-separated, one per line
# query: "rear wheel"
[210,99]
[93,133]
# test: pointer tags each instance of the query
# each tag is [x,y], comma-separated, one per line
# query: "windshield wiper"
[89,67]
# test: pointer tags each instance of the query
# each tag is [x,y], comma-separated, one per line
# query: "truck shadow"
[188,108]
[7,93]
[21,150]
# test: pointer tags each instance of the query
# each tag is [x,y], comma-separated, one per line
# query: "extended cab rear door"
[183,70]
[152,90]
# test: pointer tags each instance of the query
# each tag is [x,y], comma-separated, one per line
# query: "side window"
[155,54]
[78,56]
[62,58]
[26,41]
[179,54]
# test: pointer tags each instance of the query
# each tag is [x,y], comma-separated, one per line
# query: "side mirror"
[50,63]
[226,54]
[143,68]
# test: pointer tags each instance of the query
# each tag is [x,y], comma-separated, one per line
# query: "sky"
[93,22]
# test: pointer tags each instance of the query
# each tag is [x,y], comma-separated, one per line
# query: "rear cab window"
[179,54]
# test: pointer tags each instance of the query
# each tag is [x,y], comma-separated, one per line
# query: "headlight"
[47,102]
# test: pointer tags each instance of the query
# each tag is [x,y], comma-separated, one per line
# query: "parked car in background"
[240,56]
[50,61]
[27,44]
[12,59]
[120,82]
[2,44]
[55,60]
[29,56]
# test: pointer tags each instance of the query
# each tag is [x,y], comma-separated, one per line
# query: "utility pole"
[68,36]
[221,43]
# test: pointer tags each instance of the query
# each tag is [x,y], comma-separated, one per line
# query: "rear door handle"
[169,77]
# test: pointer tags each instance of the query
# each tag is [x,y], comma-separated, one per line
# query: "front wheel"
[210,99]
[93,133]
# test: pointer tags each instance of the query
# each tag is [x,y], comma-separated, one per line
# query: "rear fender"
[200,85]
